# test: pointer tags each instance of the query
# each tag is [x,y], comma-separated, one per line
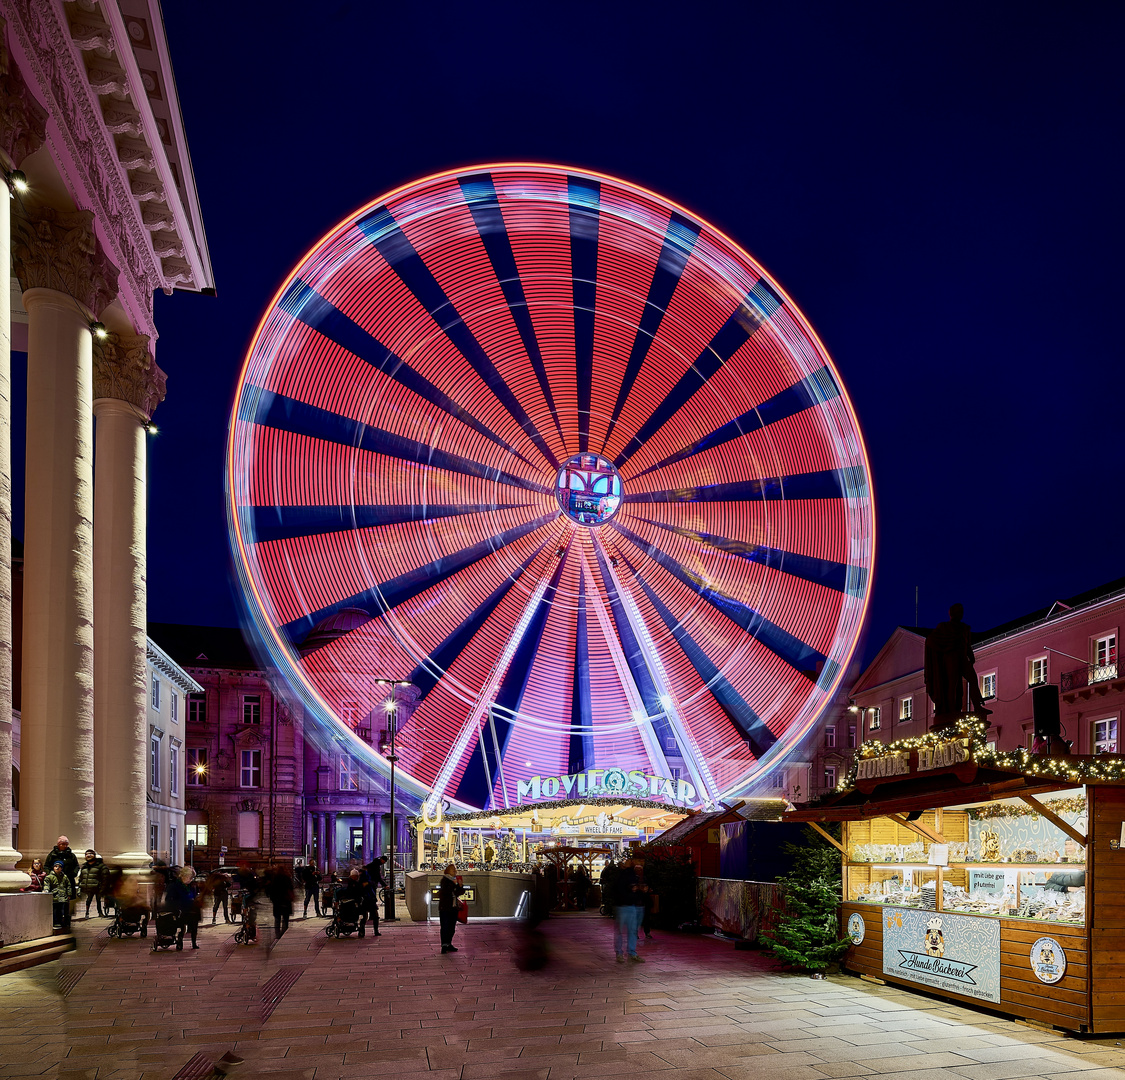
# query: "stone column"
[377,839]
[318,839]
[66,279]
[367,847]
[21,133]
[330,839]
[127,388]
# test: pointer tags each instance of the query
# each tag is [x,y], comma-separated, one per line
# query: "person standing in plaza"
[374,882]
[310,878]
[62,851]
[219,884]
[90,876]
[61,888]
[279,888]
[449,894]
[629,905]
[37,874]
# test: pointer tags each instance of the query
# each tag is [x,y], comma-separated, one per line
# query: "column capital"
[125,370]
[23,121]
[57,249]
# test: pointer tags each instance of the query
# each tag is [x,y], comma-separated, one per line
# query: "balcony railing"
[1087,676]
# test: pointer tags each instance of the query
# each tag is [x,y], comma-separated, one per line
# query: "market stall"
[986,877]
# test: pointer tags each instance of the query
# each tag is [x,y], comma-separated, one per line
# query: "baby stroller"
[247,933]
[345,919]
[168,925]
[128,921]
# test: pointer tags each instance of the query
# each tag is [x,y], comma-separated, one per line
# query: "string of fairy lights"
[1077,770]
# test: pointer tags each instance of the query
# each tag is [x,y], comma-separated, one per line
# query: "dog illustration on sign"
[934,939]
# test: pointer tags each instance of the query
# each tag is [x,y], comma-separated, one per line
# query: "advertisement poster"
[958,953]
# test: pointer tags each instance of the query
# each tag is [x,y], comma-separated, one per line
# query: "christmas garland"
[598,800]
[1073,805]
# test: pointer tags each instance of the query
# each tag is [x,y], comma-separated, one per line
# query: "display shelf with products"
[985,878]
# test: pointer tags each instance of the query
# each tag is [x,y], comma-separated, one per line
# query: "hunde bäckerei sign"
[606,782]
[957,953]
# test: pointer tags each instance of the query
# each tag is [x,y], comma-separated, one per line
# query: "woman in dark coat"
[449,892]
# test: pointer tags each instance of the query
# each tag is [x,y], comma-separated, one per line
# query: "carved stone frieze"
[63,81]
[124,369]
[52,249]
[23,121]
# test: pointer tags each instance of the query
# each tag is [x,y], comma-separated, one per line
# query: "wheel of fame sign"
[857,928]
[1048,960]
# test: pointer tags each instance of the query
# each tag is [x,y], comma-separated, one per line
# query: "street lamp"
[391,706]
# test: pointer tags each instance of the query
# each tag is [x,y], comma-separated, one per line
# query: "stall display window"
[1004,859]
[1105,736]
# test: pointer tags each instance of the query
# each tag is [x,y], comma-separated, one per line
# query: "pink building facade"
[1071,643]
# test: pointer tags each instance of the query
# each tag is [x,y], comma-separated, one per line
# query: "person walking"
[310,878]
[581,881]
[90,876]
[191,905]
[279,888]
[449,893]
[61,888]
[219,884]
[628,901]
[375,881]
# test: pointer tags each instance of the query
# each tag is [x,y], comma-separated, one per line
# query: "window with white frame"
[1104,740]
[351,713]
[675,774]
[851,736]
[1105,658]
[153,837]
[830,735]
[906,709]
[198,833]
[154,763]
[250,774]
[829,776]
[174,708]
[173,851]
[1037,671]
[173,769]
[155,692]
[349,774]
[197,766]
[777,781]
[988,686]
[252,709]
[874,718]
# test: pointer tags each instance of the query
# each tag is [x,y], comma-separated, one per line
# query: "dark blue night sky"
[939,187]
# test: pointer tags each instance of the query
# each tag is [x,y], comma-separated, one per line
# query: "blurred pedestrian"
[581,881]
[90,876]
[61,888]
[279,889]
[309,876]
[449,895]
[629,901]
[376,885]
[191,905]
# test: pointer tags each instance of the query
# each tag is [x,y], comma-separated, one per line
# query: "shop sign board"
[857,928]
[605,782]
[1048,960]
[956,953]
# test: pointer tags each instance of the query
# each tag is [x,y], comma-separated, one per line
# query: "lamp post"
[391,705]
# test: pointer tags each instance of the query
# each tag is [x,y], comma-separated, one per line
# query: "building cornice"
[170,669]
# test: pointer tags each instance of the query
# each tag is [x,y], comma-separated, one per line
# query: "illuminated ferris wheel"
[567,460]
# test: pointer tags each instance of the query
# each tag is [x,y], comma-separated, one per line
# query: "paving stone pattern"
[394,1006]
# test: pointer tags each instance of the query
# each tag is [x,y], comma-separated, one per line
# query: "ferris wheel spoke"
[389,594]
[267,523]
[307,306]
[811,391]
[509,695]
[484,205]
[581,750]
[837,576]
[797,654]
[268,409]
[392,244]
[679,242]
[583,197]
[757,307]
[430,672]
[746,721]
[846,483]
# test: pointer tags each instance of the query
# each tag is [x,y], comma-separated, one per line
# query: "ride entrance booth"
[499,852]
[984,877]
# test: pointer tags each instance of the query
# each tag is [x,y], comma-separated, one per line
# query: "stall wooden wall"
[1062,1005]
[1105,898]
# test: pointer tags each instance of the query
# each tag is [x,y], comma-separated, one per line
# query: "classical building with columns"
[102,212]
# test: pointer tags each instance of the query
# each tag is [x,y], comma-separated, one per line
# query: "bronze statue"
[949,665]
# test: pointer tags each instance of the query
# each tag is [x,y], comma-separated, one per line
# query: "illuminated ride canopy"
[565,458]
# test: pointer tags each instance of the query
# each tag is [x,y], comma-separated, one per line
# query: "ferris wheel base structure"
[565,463]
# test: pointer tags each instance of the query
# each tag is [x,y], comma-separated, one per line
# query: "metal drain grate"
[197,1068]
[276,989]
[68,978]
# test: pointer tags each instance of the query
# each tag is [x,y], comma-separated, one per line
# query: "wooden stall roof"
[680,834]
[928,790]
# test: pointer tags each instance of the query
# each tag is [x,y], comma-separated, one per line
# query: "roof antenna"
[916,605]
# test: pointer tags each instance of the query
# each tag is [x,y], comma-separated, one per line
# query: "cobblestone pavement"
[394,1006]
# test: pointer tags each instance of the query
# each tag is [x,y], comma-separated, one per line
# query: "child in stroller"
[348,911]
[131,913]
